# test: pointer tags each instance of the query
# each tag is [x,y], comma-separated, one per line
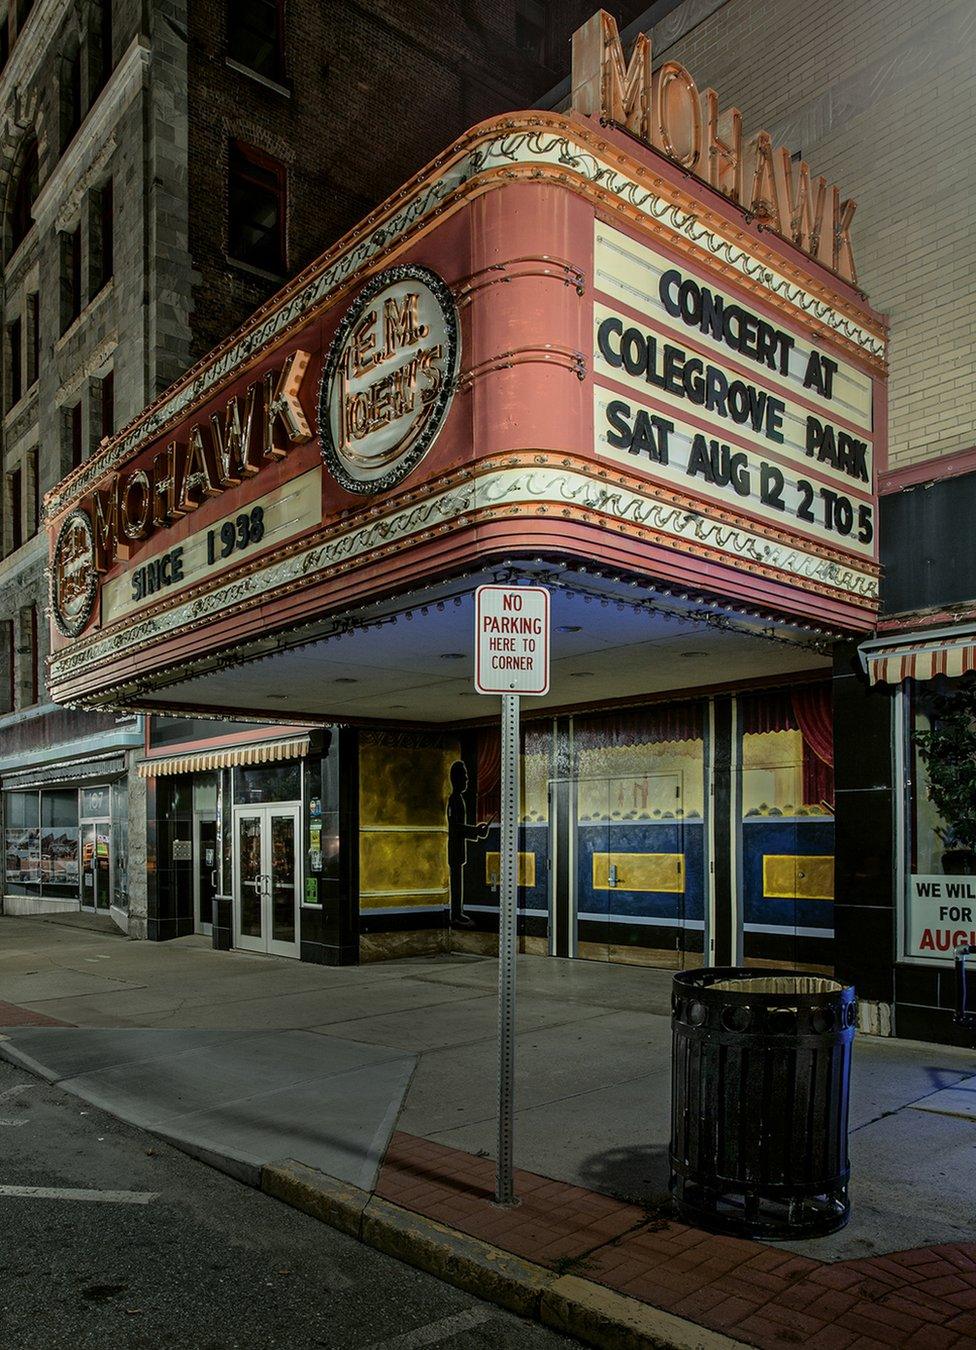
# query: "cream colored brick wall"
[880,97]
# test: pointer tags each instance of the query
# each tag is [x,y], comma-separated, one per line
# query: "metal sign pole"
[511,792]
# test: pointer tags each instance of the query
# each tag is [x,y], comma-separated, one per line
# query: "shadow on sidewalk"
[635,1172]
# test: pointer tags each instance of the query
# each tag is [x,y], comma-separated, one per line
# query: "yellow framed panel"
[788,876]
[526,869]
[640,872]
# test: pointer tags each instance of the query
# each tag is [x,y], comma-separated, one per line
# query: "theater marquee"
[556,343]
[696,389]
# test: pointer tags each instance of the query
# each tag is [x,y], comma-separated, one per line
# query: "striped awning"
[260,752]
[893,661]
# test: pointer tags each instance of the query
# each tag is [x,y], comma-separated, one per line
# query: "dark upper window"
[27,650]
[71,97]
[75,435]
[256,36]
[71,281]
[15,356]
[7,665]
[256,207]
[105,45]
[106,233]
[34,345]
[34,487]
[22,202]
[108,404]
[16,490]
[530,28]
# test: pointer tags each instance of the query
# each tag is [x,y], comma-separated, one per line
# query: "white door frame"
[265,811]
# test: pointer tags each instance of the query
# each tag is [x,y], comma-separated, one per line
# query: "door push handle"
[612,874]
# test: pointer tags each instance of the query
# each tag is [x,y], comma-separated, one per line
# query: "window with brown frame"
[257,206]
[256,36]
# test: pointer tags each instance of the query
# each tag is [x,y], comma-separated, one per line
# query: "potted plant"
[948,751]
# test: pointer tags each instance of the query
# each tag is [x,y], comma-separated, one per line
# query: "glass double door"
[266,876]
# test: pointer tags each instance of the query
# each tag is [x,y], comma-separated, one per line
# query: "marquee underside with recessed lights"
[552,355]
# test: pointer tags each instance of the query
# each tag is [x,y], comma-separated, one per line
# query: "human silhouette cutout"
[459,833]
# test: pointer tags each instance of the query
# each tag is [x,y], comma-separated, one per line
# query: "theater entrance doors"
[627,875]
[266,878]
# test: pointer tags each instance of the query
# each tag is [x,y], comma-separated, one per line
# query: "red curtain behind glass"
[807,709]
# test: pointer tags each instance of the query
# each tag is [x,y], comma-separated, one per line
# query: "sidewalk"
[593,1042]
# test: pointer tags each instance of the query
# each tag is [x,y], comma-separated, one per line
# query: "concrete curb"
[567,1303]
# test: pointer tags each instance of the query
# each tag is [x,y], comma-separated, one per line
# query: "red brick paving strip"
[13,1016]
[763,1295]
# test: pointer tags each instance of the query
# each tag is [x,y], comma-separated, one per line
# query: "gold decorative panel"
[402,861]
[790,877]
[403,792]
[403,900]
[640,872]
[526,868]
[404,785]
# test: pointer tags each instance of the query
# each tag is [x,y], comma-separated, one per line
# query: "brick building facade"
[162,171]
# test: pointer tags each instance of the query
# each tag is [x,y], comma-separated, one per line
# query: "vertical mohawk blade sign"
[664,109]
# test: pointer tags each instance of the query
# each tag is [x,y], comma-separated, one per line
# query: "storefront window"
[59,843]
[42,853]
[268,783]
[941,891]
[23,843]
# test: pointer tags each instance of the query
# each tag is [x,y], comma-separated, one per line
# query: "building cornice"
[32,552]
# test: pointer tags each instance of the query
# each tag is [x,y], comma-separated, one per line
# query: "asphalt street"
[158,1250]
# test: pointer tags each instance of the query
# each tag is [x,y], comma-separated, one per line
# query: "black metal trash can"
[760,1077]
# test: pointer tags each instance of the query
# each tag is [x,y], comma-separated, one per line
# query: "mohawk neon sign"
[665,110]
